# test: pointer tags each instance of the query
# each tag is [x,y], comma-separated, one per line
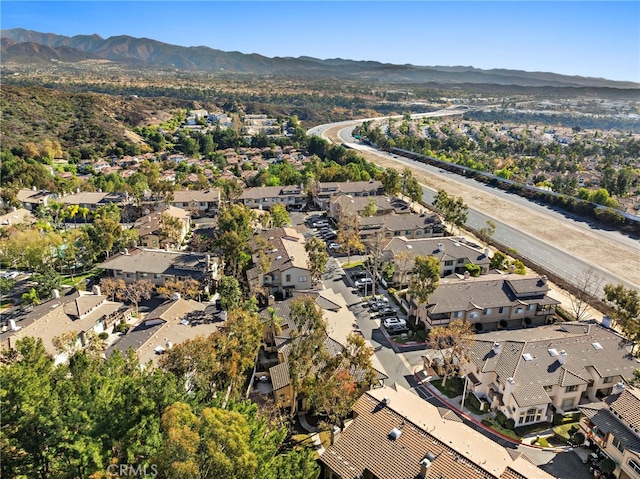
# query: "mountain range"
[27,46]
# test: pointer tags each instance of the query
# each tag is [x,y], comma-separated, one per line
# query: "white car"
[394,323]
[11,275]
[320,224]
[361,283]
[334,246]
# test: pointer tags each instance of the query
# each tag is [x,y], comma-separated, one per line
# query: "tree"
[585,284]
[170,230]
[230,293]
[498,260]
[273,325]
[349,234]
[625,309]
[453,343]
[136,292]
[317,257]
[391,181]
[110,287]
[279,216]
[424,279]
[371,208]
[187,288]
[487,231]
[30,297]
[235,224]
[307,346]
[453,209]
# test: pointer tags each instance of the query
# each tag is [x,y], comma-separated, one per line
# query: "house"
[158,265]
[149,228]
[198,202]
[324,191]
[288,270]
[337,316]
[264,197]
[171,323]
[16,216]
[453,253]
[411,226]
[93,199]
[31,199]
[531,374]
[347,205]
[395,434]
[613,425]
[81,313]
[489,302]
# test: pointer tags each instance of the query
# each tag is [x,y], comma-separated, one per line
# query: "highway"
[566,264]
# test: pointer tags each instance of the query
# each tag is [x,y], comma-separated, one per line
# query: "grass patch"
[533,428]
[565,431]
[352,265]
[452,388]
[473,404]
[493,424]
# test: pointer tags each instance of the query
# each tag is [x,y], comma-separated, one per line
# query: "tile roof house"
[31,199]
[264,197]
[531,374]
[324,191]
[81,313]
[347,205]
[198,202]
[288,270]
[149,227]
[613,425]
[16,216]
[411,226]
[173,322]
[489,301]
[338,317]
[158,265]
[94,199]
[453,254]
[396,435]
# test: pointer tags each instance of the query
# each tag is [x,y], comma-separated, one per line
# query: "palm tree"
[274,324]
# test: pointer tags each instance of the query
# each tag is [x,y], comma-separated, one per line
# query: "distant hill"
[26,46]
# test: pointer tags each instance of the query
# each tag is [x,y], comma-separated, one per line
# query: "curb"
[439,396]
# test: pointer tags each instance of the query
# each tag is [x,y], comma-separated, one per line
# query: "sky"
[586,38]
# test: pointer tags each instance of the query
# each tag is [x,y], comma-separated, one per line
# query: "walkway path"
[315,435]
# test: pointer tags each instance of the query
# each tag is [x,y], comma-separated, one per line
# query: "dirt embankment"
[581,242]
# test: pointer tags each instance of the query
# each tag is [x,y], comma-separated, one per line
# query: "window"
[531,307]
[518,311]
[487,312]
[571,389]
[531,415]
[548,388]
[473,315]
[634,466]
[501,310]
[608,379]
[616,443]
[156,275]
[568,403]
[288,278]
[448,263]
[302,279]
[143,275]
[458,314]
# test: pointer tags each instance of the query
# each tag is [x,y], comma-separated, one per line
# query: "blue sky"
[587,38]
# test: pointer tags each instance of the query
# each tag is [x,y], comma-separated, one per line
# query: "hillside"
[25,46]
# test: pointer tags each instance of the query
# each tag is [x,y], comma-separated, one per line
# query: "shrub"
[103,335]
[607,465]
[478,326]
[503,323]
[578,438]
[473,269]
[527,321]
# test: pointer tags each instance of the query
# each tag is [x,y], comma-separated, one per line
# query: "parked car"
[334,246]
[393,322]
[386,312]
[320,224]
[357,274]
[11,274]
[361,283]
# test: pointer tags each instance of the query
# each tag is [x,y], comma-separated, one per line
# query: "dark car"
[386,312]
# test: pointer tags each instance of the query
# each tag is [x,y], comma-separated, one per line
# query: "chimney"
[176,296]
[126,251]
[509,384]
[425,464]
[96,290]
[562,358]
[12,323]
[386,400]
[335,434]
[55,294]
[617,389]
[496,348]
[467,275]
[512,269]
[486,252]
[606,321]
[543,278]
[169,345]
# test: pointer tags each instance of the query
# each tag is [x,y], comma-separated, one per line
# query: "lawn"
[67,281]
[453,387]
[493,424]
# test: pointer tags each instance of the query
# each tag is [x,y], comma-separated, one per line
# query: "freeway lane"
[563,263]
